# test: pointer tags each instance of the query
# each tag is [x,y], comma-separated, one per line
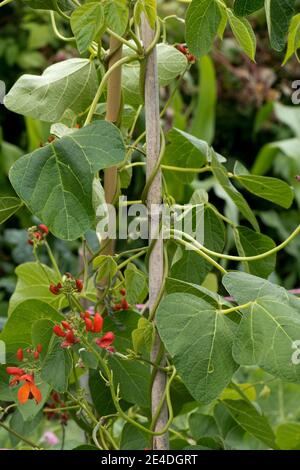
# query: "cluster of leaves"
[208,338]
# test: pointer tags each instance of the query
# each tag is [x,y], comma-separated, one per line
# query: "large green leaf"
[57,366]
[132,376]
[256,424]
[222,177]
[86,23]
[17,330]
[8,207]
[266,336]
[293,42]
[199,339]
[184,151]
[63,87]
[170,62]
[33,283]
[56,181]
[279,15]
[246,7]
[246,288]
[136,284]
[243,33]
[202,22]
[271,189]
[251,243]
[176,285]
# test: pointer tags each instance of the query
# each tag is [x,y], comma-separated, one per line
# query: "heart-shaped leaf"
[66,86]
[56,181]
[199,338]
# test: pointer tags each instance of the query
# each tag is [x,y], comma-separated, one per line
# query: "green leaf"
[293,42]
[243,33]
[106,267]
[170,62]
[256,424]
[266,336]
[57,366]
[202,425]
[133,377]
[288,436]
[41,333]
[87,21]
[116,15]
[246,7]
[176,285]
[142,336]
[33,283]
[17,330]
[199,339]
[271,189]
[22,427]
[251,243]
[184,151]
[221,175]
[203,125]
[202,22]
[56,181]
[8,207]
[100,394]
[65,5]
[246,288]
[279,15]
[136,284]
[69,85]
[133,438]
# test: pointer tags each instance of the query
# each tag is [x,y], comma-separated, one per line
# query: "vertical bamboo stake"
[154,198]
[112,114]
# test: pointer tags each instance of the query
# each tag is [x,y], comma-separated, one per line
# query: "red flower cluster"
[184,50]
[56,402]
[28,390]
[37,234]
[69,284]
[93,325]
[35,353]
[66,331]
[123,304]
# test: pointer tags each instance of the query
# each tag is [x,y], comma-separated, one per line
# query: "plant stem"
[19,436]
[5,2]
[133,257]
[53,260]
[56,32]
[235,309]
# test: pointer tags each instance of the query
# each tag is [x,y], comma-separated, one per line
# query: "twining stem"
[133,257]
[239,258]
[5,2]
[191,246]
[120,39]
[118,64]
[55,29]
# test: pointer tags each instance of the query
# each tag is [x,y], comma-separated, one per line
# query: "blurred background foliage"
[244,109]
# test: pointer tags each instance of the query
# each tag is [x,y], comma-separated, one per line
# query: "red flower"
[79,285]
[15,371]
[117,307]
[66,325]
[85,314]
[20,354]
[70,340]
[39,348]
[106,340]
[29,391]
[123,291]
[58,331]
[124,304]
[88,324]
[98,323]
[36,355]
[44,229]
[55,288]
